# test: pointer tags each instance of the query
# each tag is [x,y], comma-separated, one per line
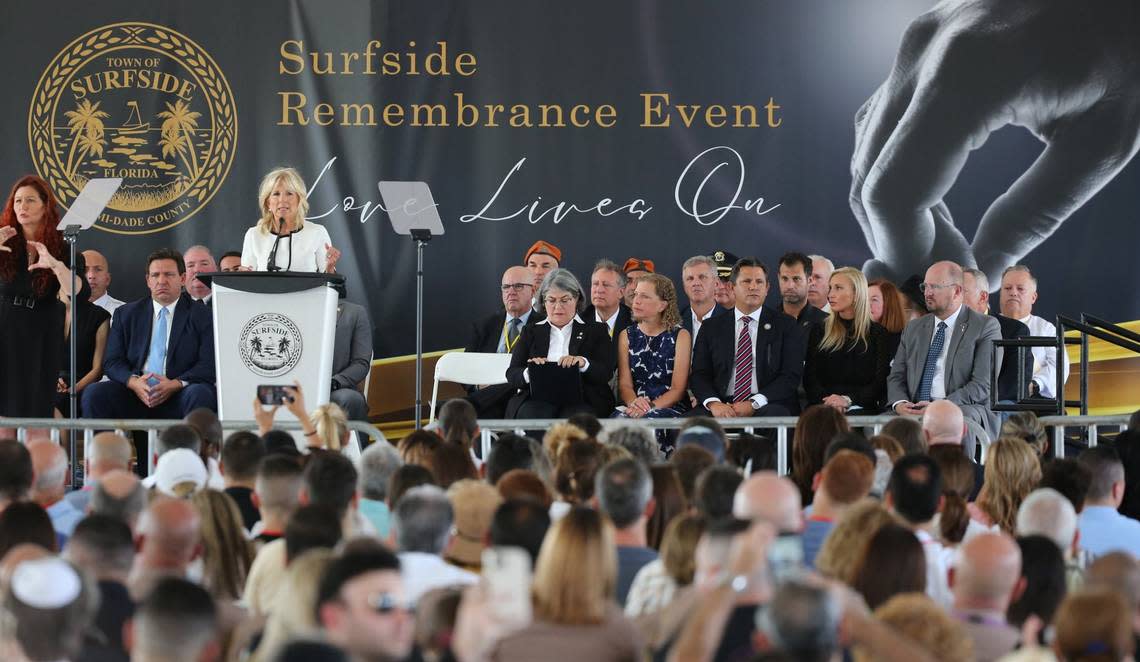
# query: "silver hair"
[565,280]
[205,248]
[1022,268]
[377,464]
[610,265]
[983,283]
[54,475]
[1048,513]
[699,259]
[637,439]
[829,263]
[423,520]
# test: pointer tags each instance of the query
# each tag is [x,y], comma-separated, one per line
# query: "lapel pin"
[767,327]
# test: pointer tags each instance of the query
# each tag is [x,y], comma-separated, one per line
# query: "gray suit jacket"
[352,348]
[967,370]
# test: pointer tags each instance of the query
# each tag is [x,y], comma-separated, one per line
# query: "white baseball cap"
[178,466]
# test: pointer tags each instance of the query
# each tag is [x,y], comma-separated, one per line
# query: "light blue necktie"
[157,358]
[932,355]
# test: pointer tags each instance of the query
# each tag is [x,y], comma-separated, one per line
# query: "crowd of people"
[615,543]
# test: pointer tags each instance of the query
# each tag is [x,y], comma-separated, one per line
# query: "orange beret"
[638,264]
[544,247]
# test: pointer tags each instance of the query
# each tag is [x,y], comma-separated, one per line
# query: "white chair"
[468,368]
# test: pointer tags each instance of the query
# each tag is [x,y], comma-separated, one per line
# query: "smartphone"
[507,571]
[786,557]
[271,394]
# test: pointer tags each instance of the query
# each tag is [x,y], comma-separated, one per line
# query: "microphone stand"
[271,265]
[421,237]
[71,235]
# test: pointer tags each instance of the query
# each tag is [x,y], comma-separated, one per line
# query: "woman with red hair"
[31,314]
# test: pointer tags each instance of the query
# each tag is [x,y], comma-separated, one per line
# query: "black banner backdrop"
[658,130]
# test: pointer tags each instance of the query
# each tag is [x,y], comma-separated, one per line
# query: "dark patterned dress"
[651,366]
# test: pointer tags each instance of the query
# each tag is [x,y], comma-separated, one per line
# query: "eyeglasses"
[517,287]
[565,301]
[386,603]
[923,287]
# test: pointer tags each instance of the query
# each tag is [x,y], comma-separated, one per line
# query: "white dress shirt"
[758,400]
[610,322]
[502,348]
[698,320]
[303,251]
[559,345]
[938,386]
[154,325]
[1044,358]
[108,302]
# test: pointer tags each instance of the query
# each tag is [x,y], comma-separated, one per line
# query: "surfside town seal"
[270,344]
[142,102]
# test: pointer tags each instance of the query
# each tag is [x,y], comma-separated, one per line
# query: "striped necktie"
[742,387]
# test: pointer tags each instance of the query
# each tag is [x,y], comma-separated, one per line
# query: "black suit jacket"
[809,317]
[779,363]
[486,332]
[588,339]
[1007,376]
[189,349]
[624,319]
[687,316]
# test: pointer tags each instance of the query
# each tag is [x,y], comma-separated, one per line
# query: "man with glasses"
[946,355]
[498,333]
[362,608]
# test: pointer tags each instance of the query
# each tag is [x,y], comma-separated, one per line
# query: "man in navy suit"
[160,354]
[699,278]
[748,363]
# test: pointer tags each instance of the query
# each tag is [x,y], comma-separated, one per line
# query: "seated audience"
[121,495]
[953,522]
[1043,574]
[519,523]
[459,424]
[821,269]
[1012,472]
[179,473]
[229,262]
[275,494]
[885,303]
[474,503]
[847,359]
[1046,512]
[377,464]
[93,325]
[815,429]
[608,286]
[1018,294]
[26,522]
[794,271]
[913,495]
[634,270]
[909,433]
[423,520]
[586,422]
[985,580]
[523,484]
[104,548]
[638,440]
[540,259]
[168,540]
[749,363]
[1094,625]
[669,500]
[624,492]
[108,451]
[48,607]
[725,293]
[403,480]
[653,354]
[498,333]
[750,452]
[296,616]
[241,455]
[508,452]
[574,612]
[840,553]
[160,355]
[656,583]
[1069,477]
[177,616]
[226,553]
[450,463]
[1103,529]
[418,447]
[918,618]
[562,338]
[770,498]
[1025,425]
[699,280]
[689,461]
[892,563]
[843,482]
[714,492]
[946,355]
[49,462]
[199,260]
[98,277]
[975,294]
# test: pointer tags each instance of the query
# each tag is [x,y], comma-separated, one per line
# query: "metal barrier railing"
[152,427]
[782,425]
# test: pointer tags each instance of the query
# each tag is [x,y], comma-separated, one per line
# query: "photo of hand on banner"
[1066,71]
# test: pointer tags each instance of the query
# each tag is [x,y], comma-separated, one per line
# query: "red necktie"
[742,388]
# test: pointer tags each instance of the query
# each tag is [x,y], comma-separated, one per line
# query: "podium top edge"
[270,281]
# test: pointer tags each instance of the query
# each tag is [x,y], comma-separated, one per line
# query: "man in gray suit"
[352,357]
[946,355]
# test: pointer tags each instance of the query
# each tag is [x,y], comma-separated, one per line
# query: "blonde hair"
[663,287]
[576,571]
[293,182]
[834,332]
[843,548]
[295,618]
[1012,471]
[227,555]
[918,618]
[331,424]
[561,434]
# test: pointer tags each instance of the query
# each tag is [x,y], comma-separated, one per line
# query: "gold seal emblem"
[141,102]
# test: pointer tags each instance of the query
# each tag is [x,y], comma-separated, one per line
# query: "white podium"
[272,328]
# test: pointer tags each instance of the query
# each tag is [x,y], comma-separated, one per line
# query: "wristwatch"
[735,582]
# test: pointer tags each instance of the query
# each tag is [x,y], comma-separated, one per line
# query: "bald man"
[943,424]
[108,452]
[49,471]
[498,332]
[946,355]
[168,539]
[986,579]
[772,498]
[99,278]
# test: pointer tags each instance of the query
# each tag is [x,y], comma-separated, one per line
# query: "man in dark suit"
[946,354]
[748,363]
[497,334]
[352,358]
[976,295]
[563,338]
[160,353]
[199,260]
[698,277]
[794,270]
[607,287]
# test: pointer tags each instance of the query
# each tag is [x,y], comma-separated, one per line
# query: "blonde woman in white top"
[283,240]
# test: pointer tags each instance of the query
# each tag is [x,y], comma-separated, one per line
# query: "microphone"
[272,265]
